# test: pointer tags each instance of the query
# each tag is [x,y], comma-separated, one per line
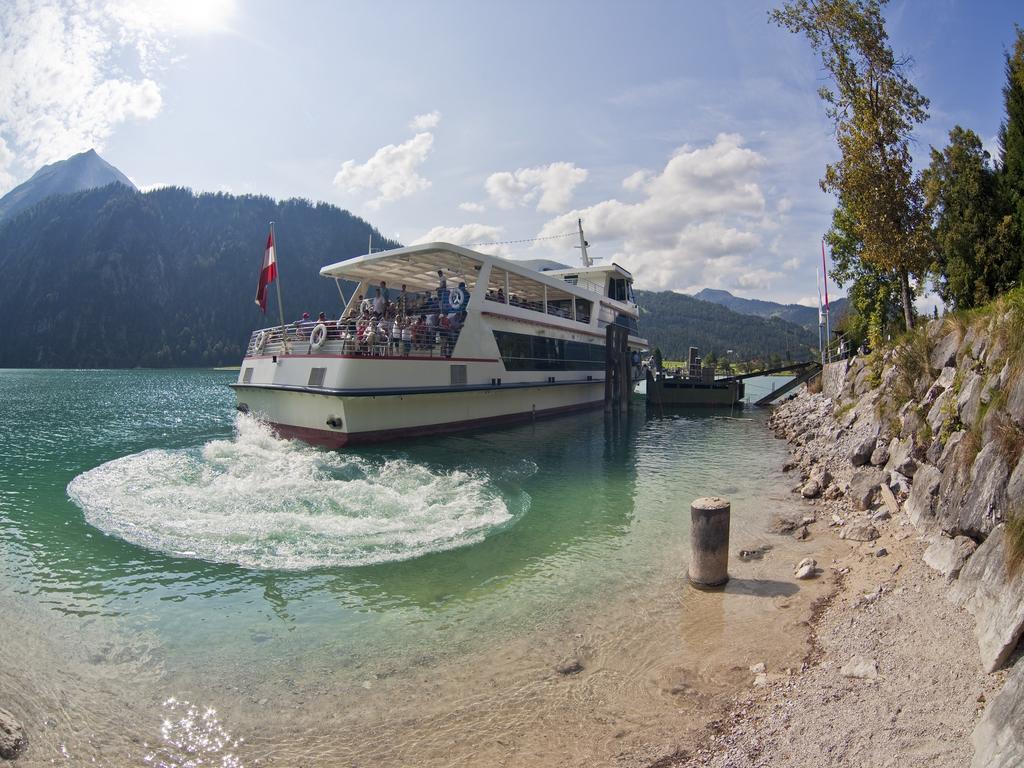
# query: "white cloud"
[550,186]
[700,223]
[791,264]
[393,171]
[472,207]
[476,235]
[636,181]
[65,80]
[425,122]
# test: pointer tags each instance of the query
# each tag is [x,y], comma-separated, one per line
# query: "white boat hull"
[337,420]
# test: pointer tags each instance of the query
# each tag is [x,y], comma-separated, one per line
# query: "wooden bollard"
[709,542]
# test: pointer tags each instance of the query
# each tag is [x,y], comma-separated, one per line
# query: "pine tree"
[1011,149]
[974,257]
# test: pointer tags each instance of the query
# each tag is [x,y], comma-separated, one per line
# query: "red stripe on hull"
[326,438]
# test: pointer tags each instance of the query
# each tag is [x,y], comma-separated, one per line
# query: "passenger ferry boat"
[522,344]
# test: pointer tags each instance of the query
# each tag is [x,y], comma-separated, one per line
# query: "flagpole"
[824,276]
[280,304]
[821,350]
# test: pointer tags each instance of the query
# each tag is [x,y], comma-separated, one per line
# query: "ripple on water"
[261,502]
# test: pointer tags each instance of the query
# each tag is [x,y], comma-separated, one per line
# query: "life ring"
[456,298]
[261,342]
[318,337]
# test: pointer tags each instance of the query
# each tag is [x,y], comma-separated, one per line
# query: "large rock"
[901,457]
[999,737]
[880,455]
[948,556]
[859,532]
[944,350]
[1015,399]
[994,598]
[864,488]
[940,385]
[985,503]
[972,497]
[941,410]
[920,505]
[968,402]
[12,736]
[860,454]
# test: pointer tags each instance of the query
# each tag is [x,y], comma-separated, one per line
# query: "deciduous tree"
[874,107]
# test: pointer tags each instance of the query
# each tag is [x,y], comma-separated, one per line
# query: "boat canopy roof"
[416,266]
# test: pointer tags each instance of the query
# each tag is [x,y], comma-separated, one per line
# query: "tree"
[874,108]
[1011,132]
[972,240]
[873,293]
[1011,148]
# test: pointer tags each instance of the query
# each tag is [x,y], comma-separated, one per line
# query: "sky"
[687,135]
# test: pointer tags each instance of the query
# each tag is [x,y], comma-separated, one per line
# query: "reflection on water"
[193,737]
[409,593]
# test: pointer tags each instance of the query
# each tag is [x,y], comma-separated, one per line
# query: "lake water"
[181,588]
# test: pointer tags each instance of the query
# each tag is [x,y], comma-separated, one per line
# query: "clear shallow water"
[154,547]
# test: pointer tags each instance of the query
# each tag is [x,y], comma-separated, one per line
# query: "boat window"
[458,373]
[247,376]
[522,352]
[517,290]
[617,289]
[499,286]
[316,377]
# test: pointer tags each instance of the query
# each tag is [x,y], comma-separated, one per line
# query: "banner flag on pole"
[821,313]
[268,273]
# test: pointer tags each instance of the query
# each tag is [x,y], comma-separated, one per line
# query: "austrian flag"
[268,274]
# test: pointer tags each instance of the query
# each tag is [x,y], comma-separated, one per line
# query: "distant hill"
[793,313]
[113,277]
[83,171]
[673,322]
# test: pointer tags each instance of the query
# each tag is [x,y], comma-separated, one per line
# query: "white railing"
[296,340]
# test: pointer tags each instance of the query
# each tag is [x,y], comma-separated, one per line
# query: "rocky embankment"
[930,436]
[912,459]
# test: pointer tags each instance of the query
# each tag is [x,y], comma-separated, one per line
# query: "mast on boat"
[583,245]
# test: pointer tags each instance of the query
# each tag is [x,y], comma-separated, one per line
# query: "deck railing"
[297,340]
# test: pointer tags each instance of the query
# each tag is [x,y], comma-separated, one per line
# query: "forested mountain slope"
[675,321]
[113,277]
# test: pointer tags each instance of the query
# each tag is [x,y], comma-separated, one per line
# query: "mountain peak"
[86,170]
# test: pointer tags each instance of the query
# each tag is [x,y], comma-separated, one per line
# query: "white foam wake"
[262,502]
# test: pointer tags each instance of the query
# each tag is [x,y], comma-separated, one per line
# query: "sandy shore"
[891,676]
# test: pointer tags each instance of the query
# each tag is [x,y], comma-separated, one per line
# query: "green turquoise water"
[154,545]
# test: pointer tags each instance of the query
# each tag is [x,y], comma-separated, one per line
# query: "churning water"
[397,605]
[261,502]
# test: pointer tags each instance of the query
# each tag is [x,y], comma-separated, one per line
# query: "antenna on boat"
[583,245]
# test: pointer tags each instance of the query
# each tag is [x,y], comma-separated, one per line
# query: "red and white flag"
[268,274]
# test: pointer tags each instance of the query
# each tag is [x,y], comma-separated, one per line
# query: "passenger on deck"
[378,303]
[501,295]
[396,334]
[407,334]
[418,331]
[444,335]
